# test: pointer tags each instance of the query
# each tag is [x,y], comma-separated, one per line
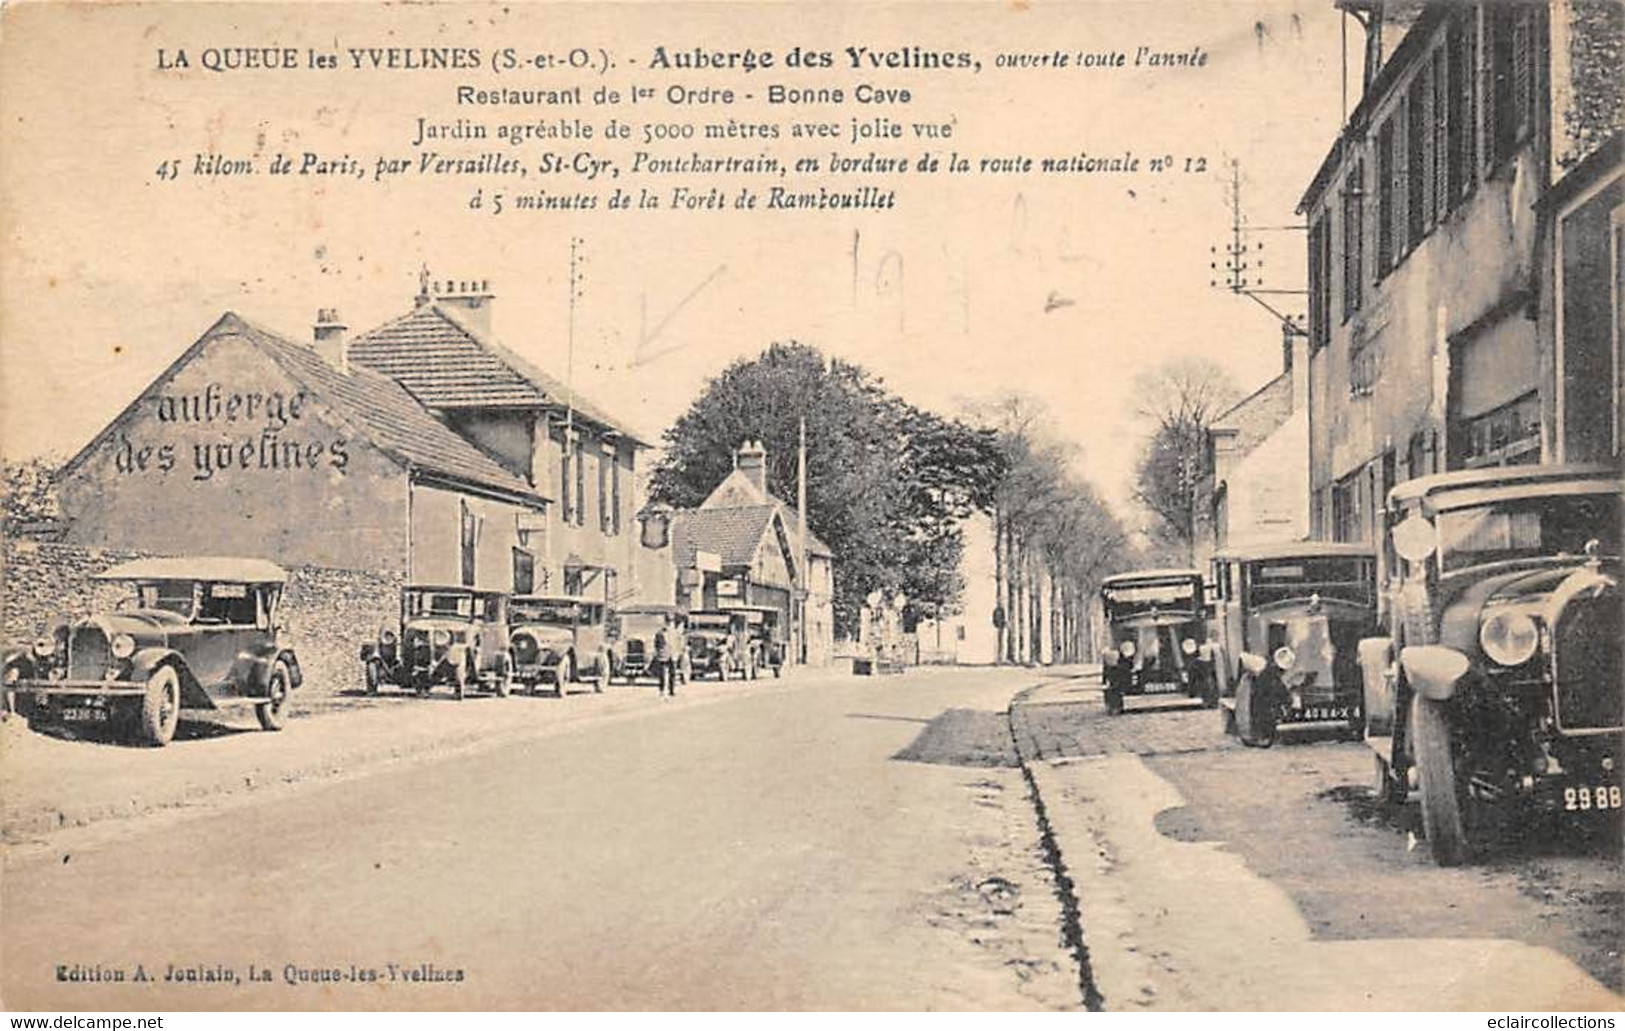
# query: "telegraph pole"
[1242,268]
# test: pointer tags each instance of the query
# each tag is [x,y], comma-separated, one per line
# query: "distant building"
[740,546]
[1423,226]
[421,450]
[1258,490]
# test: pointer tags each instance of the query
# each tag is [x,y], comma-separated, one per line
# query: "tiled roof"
[378,407]
[447,364]
[738,491]
[732,533]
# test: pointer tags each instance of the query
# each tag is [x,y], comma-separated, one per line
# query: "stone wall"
[328,612]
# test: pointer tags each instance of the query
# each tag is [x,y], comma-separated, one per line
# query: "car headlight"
[122,646]
[44,647]
[1509,638]
[441,638]
[1126,649]
[386,636]
[1188,646]
[1285,657]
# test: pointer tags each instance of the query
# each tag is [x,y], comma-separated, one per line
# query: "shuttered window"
[1353,239]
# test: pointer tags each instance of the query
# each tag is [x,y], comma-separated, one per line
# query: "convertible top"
[212,569]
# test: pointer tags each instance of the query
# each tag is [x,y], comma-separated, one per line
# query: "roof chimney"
[468,299]
[329,340]
[751,459]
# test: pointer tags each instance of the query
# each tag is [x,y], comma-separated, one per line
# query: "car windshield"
[439,603]
[179,597]
[1350,579]
[1528,528]
[1136,599]
[233,604]
[553,613]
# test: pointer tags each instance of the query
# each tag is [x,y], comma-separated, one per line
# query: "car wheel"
[160,707]
[503,684]
[1254,726]
[273,712]
[374,675]
[1442,786]
[1114,702]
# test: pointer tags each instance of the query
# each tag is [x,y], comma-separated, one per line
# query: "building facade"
[421,450]
[1423,226]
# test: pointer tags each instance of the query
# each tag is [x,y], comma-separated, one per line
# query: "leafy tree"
[887,483]
[1181,400]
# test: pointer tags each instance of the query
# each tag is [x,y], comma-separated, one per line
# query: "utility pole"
[801,537]
[1242,271]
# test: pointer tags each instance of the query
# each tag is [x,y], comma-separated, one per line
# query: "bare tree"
[1180,400]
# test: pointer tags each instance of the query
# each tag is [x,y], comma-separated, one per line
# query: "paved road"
[858,845]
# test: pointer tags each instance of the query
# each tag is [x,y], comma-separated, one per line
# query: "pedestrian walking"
[666,658]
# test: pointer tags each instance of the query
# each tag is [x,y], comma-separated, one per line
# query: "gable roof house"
[421,449]
[444,353]
[741,546]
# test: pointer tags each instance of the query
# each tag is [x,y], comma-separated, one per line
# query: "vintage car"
[1498,691]
[718,643]
[1157,627]
[558,639]
[448,635]
[631,634]
[196,633]
[1285,635]
[764,635]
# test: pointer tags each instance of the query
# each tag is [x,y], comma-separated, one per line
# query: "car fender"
[369,651]
[1254,664]
[1433,670]
[456,654]
[296,676]
[144,662]
[22,662]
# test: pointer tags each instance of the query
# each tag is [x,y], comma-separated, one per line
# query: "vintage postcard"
[812,506]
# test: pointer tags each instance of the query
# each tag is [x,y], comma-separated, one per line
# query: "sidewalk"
[1173,924]
[52,784]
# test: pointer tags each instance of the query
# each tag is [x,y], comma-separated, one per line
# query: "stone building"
[1423,224]
[421,450]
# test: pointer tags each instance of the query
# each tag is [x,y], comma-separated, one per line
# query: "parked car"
[1506,697]
[558,639]
[764,634]
[632,640]
[1287,625]
[1156,622]
[449,635]
[195,633]
[719,644]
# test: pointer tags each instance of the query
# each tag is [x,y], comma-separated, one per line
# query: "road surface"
[856,843]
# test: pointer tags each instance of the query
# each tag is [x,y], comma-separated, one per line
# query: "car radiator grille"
[88,654]
[1587,652]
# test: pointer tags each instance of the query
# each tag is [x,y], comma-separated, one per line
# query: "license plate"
[1161,687]
[1581,798]
[80,714]
[1325,712]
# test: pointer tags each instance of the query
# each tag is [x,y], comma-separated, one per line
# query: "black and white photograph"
[1106,507]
